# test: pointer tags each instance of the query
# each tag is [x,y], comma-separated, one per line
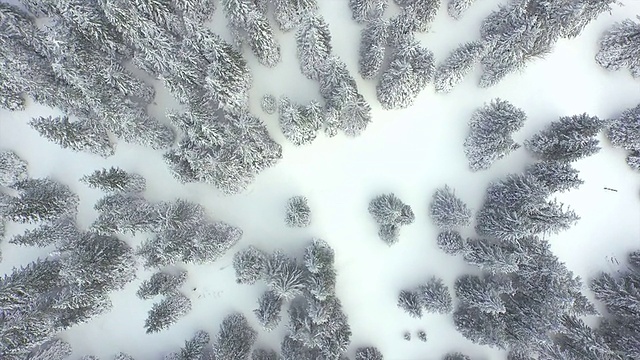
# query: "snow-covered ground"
[409,152]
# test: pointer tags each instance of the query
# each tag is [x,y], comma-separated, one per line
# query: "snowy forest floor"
[409,152]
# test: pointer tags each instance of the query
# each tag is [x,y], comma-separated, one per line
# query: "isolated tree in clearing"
[490,132]
[114,180]
[269,104]
[165,313]
[161,283]
[298,212]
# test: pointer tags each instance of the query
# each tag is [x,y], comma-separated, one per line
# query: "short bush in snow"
[406,336]
[269,104]
[422,335]
[298,213]
[448,211]
[451,242]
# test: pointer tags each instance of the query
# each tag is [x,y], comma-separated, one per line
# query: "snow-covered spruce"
[284,276]
[269,104]
[123,356]
[490,130]
[435,296]
[557,176]
[448,211]
[411,69]
[290,14]
[10,98]
[41,200]
[115,179]
[12,168]
[318,256]
[389,209]
[313,43]
[161,283]
[59,231]
[457,65]
[368,353]
[420,13]
[235,338]
[410,302]
[493,257]
[456,356]
[476,292]
[81,135]
[371,53]
[268,311]
[569,139]
[54,349]
[456,8]
[299,124]
[298,213]
[264,354]
[633,160]
[194,348]
[422,335]
[249,265]
[624,131]
[451,242]
[366,11]
[165,313]
[620,47]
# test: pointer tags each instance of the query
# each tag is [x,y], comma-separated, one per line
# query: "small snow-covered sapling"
[422,335]
[298,212]
[269,104]
[407,336]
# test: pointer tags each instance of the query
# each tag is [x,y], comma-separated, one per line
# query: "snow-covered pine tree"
[114,180]
[620,47]
[493,257]
[249,265]
[284,276]
[373,42]
[268,311]
[89,357]
[59,231]
[126,212]
[290,14]
[165,313]
[41,200]
[568,139]
[456,8]
[97,262]
[235,338]
[448,211]
[517,207]
[80,135]
[11,98]
[299,124]
[410,301]
[480,327]
[193,349]
[298,213]
[313,44]
[633,160]
[457,65]
[25,285]
[389,233]
[389,209]
[407,336]
[476,292]
[54,349]
[456,356]
[368,353]
[161,283]
[557,176]
[318,256]
[367,11]
[435,297]
[624,131]
[419,12]
[123,356]
[451,242]
[264,354]
[269,104]
[199,11]
[249,25]
[411,69]
[490,132]
[579,341]
[12,168]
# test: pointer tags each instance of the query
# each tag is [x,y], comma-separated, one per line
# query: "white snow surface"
[410,152]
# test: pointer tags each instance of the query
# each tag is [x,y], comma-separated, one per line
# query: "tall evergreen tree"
[268,311]
[419,12]
[249,265]
[41,200]
[59,231]
[235,338]
[366,11]
[193,349]
[167,312]
[569,139]
[80,135]
[557,176]
[54,349]
[126,212]
[457,65]
[624,131]
[264,354]
[447,210]
[476,292]
[450,242]
[368,353]
[619,47]
[313,43]
[456,356]
[115,179]
[410,302]
[12,168]
[435,296]
[373,43]
[284,276]
[161,283]
[298,213]
[290,14]
[456,8]
[490,132]
[299,124]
